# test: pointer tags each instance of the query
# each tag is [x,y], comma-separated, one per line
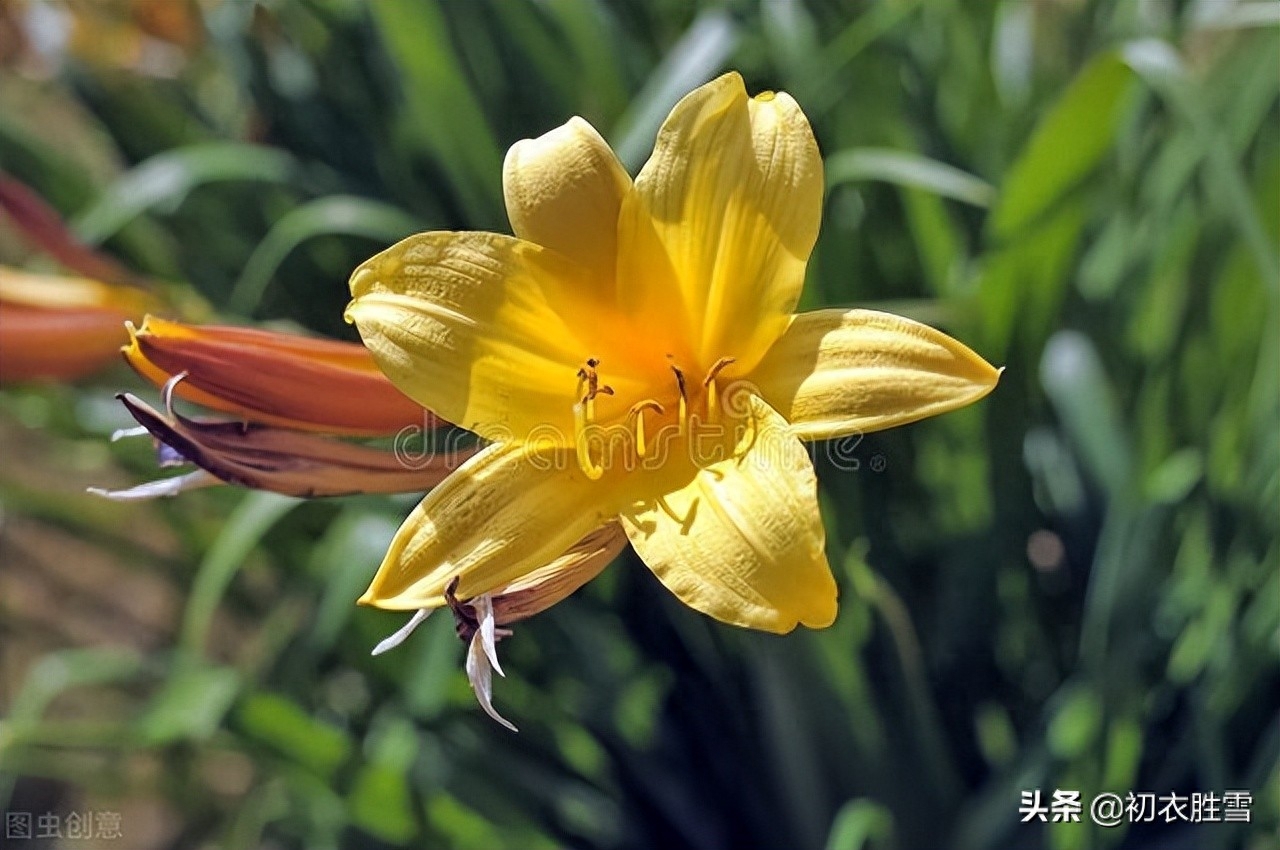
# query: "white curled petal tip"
[158,489]
[488,630]
[480,675]
[398,637]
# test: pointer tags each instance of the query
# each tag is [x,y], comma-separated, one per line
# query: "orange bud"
[58,327]
[274,378]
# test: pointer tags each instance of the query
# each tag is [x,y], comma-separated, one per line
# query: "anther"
[713,398]
[637,413]
[682,410]
[464,616]
[715,369]
[592,379]
[669,511]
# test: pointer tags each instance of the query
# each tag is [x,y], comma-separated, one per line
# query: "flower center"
[596,445]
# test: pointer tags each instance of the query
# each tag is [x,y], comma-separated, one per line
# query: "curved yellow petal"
[484,330]
[743,542]
[722,219]
[836,372]
[563,191]
[501,515]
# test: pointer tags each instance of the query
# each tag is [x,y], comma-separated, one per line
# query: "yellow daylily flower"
[633,356]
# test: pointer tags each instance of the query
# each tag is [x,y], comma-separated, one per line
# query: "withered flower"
[279,460]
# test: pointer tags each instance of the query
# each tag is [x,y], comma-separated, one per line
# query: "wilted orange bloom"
[275,459]
[59,327]
[274,378]
[481,622]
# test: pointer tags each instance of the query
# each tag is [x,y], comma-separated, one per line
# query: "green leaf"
[166,179]
[285,727]
[1162,69]
[1023,285]
[908,169]
[69,668]
[699,54]
[860,824]
[1076,724]
[1076,382]
[344,215]
[381,802]
[191,704]
[241,532]
[1067,144]
[442,109]
[344,561]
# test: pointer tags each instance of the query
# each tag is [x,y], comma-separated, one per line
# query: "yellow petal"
[837,372]
[563,191]
[501,515]
[722,219]
[743,542]
[484,330]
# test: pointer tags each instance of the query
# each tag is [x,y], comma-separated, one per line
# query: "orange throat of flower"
[644,434]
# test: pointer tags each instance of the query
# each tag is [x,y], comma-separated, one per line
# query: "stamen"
[591,378]
[464,616]
[715,370]
[637,413]
[582,417]
[682,410]
[749,435]
[670,511]
[713,399]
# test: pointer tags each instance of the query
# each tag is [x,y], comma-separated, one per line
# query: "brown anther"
[715,370]
[592,379]
[465,622]
[680,381]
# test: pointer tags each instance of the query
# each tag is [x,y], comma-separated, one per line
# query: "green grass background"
[1086,192]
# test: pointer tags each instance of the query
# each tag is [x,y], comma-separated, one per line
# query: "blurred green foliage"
[1074,584]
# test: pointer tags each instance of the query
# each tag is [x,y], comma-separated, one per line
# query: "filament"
[637,413]
[581,443]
